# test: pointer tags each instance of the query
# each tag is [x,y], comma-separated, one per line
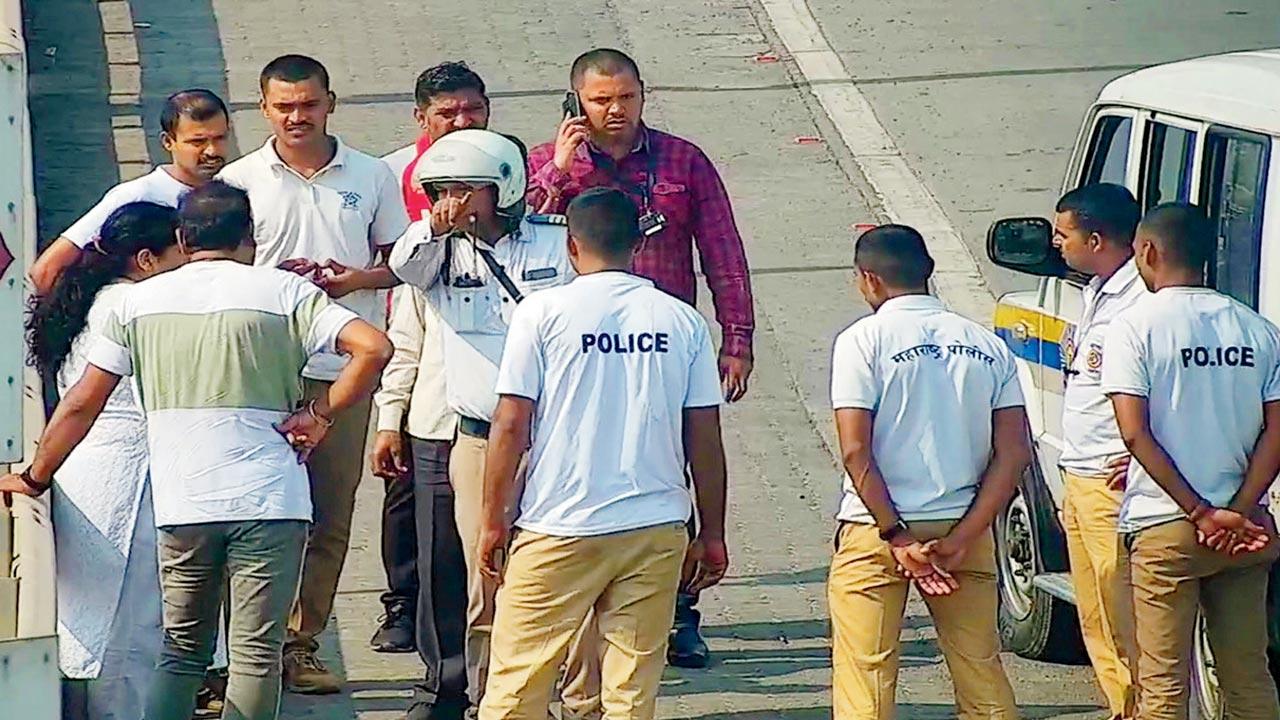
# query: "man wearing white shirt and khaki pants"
[933,436]
[327,212]
[476,258]
[611,381]
[1195,380]
[1093,228]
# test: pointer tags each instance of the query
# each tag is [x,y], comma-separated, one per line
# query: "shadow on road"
[814,575]
[179,47]
[906,711]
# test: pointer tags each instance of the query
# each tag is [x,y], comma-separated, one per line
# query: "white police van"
[1206,131]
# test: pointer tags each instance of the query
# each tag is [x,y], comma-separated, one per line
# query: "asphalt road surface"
[979,103]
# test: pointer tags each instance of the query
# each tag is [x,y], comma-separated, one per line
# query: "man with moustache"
[331,213]
[414,422]
[682,203]
[194,130]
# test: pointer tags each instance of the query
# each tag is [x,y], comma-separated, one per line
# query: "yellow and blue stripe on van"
[1037,338]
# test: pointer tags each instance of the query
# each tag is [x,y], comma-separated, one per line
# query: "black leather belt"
[474,427]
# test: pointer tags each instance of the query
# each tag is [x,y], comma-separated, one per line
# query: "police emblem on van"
[1068,348]
[350,200]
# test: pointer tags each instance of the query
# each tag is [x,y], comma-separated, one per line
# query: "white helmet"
[479,157]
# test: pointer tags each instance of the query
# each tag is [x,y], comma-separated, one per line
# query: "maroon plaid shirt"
[688,191]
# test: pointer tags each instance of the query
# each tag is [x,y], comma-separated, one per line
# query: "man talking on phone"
[603,142]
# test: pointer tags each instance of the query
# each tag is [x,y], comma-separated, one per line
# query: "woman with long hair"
[108,587]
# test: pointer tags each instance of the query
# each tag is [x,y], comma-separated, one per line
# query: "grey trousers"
[261,562]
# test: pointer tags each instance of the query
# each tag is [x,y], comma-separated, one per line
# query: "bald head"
[605,61]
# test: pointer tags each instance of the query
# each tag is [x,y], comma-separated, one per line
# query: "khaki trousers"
[1089,517]
[581,690]
[335,469]
[1173,576]
[868,596]
[551,584]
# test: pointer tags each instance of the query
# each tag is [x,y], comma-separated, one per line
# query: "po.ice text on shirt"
[1230,356]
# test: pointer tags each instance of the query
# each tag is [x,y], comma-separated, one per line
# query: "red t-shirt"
[415,201]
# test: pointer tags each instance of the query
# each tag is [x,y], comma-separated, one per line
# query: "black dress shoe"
[395,631]
[442,709]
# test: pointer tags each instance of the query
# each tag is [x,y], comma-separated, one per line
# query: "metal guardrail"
[29,676]
[27,606]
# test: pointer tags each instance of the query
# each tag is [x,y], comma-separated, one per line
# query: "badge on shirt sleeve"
[1093,359]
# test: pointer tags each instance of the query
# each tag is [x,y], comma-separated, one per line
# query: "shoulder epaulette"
[548,219]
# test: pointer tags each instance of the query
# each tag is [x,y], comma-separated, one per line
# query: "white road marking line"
[904,197]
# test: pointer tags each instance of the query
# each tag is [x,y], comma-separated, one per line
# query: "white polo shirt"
[932,378]
[611,363]
[474,309]
[346,212]
[1090,437]
[157,186]
[1206,364]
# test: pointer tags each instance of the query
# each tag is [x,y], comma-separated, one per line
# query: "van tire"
[1029,540]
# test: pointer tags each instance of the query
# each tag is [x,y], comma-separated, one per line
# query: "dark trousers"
[442,578]
[400,542]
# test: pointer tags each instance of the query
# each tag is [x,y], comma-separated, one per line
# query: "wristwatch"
[30,481]
[891,532]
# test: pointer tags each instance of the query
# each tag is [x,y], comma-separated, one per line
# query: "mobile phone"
[571,106]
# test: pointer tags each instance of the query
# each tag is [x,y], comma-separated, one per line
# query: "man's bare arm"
[1135,428]
[71,421]
[853,428]
[49,266]
[1010,455]
[1264,463]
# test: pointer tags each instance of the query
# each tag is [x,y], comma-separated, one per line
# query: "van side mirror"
[1026,245]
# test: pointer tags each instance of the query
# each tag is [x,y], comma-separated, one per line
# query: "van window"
[1234,193]
[1170,157]
[1108,150]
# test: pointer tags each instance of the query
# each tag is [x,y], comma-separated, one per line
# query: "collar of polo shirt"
[911,302]
[1119,280]
[274,161]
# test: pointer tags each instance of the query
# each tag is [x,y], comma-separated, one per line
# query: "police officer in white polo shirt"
[611,381]
[476,258]
[1195,380]
[933,435]
[1093,228]
[327,212]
